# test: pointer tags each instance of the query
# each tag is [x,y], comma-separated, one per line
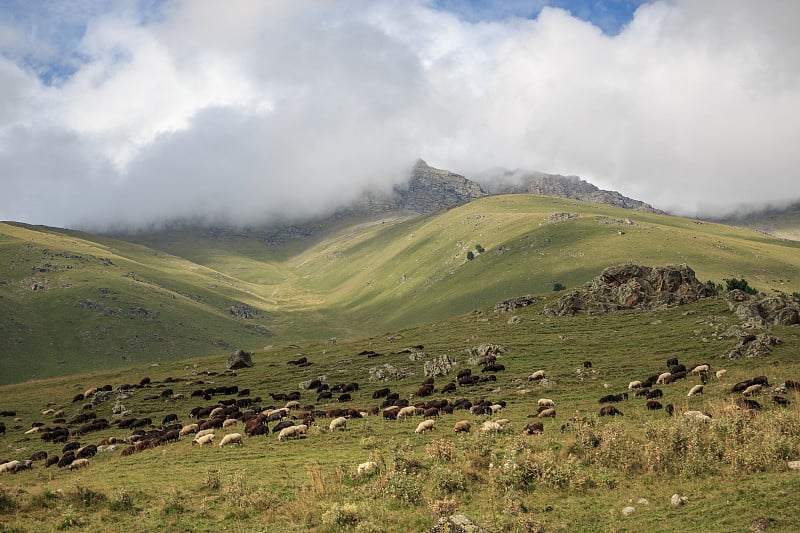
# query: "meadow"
[732,470]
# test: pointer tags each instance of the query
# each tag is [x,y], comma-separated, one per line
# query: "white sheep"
[751,390]
[292,431]
[539,374]
[79,463]
[662,377]
[425,425]
[406,412]
[204,439]
[699,369]
[697,389]
[217,411]
[191,428]
[89,393]
[490,426]
[231,438]
[294,404]
[502,421]
[107,448]
[365,468]
[635,385]
[338,422]
[698,415]
[229,422]
[545,402]
[547,413]
[496,408]
[204,432]
[721,372]
[9,467]
[34,429]
[48,412]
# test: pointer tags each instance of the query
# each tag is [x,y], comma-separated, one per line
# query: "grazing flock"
[288,417]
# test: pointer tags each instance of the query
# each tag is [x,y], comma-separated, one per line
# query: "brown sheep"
[462,426]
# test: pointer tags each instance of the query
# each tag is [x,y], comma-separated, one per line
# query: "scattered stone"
[439,366]
[514,303]
[677,500]
[417,356]
[643,501]
[514,320]
[627,511]
[243,311]
[387,373]
[456,524]
[239,359]
[761,524]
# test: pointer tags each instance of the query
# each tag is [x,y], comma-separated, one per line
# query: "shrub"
[557,286]
[740,284]
[344,515]
[441,450]
[479,248]
[470,256]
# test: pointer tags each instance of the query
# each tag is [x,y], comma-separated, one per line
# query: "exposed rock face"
[632,287]
[762,311]
[456,524]
[431,189]
[439,366]
[239,359]
[243,311]
[563,187]
[514,303]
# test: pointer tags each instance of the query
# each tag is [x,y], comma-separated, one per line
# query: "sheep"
[670,409]
[78,464]
[204,439]
[534,428]
[462,426]
[699,369]
[406,412]
[294,404]
[292,431]
[751,390]
[539,374]
[697,415]
[610,410]
[425,425]
[663,376]
[697,389]
[545,402]
[366,468]
[9,467]
[653,405]
[721,372]
[231,438]
[673,361]
[635,385]
[338,423]
[185,430]
[229,422]
[204,432]
[655,393]
[547,413]
[490,426]
[89,393]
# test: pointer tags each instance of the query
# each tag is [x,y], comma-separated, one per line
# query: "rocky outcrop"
[562,187]
[387,373]
[239,359]
[514,303]
[431,189]
[632,286]
[439,366]
[243,311]
[761,311]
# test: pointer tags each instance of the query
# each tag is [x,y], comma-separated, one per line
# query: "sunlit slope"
[68,304]
[417,271]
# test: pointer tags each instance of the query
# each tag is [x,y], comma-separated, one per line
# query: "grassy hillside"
[732,469]
[106,303]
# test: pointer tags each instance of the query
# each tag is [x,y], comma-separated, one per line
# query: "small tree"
[479,248]
[470,255]
[558,286]
[740,284]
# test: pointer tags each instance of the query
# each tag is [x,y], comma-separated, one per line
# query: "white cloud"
[255,109]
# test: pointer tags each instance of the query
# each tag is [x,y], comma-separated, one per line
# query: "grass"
[732,470]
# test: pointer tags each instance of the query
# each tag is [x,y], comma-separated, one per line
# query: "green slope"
[105,302]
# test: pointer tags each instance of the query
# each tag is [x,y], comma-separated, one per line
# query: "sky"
[129,113]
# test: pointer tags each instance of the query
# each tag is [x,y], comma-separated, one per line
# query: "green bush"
[740,284]
[557,286]
[470,255]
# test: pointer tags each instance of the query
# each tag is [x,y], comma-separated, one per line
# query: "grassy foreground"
[732,469]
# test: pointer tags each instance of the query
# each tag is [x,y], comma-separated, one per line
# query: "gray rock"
[627,511]
[387,373]
[239,359]
[456,524]
[439,366]
[677,500]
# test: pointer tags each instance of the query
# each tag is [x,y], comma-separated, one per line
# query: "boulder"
[677,500]
[761,311]
[387,373]
[439,366]
[456,524]
[514,303]
[239,359]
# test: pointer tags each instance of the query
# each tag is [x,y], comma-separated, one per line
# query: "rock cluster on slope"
[632,286]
